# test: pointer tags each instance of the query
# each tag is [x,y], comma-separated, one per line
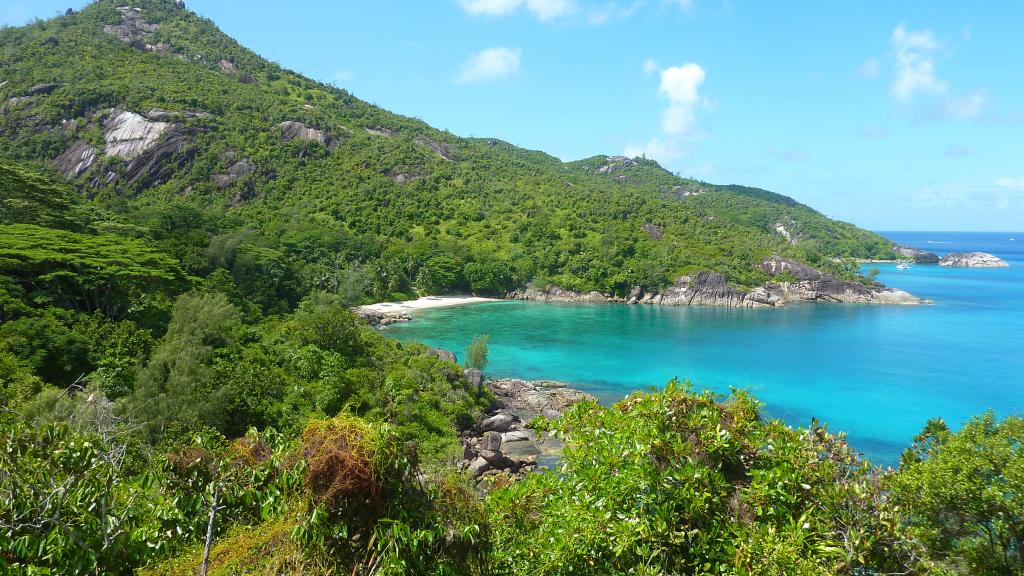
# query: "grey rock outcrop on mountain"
[154,150]
[133,28]
[78,158]
[798,283]
[685,191]
[381,131]
[442,149]
[129,135]
[405,177]
[782,230]
[654,231]
[41,89]
[918,256]
[236,171]
[972,260]
[291,130]
[615,163]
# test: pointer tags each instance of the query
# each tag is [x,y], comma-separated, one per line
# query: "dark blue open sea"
[875,372]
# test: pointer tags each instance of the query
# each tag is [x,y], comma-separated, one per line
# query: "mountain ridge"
[162,110]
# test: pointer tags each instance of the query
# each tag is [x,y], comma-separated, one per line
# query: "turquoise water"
[875,372]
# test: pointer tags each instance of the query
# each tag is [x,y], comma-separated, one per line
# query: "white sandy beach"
[423,303]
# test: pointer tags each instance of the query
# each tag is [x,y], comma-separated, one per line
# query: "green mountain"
[183,389]
[168,127]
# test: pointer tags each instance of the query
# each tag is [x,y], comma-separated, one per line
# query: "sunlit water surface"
[875,372]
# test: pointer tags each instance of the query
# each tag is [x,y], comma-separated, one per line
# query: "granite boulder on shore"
[501,447]
[972,260]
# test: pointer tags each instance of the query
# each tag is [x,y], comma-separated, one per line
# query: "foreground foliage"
[682,483]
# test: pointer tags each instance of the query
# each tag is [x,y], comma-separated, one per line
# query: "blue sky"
[895,115]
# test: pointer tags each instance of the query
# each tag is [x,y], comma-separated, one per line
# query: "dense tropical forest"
[184,227]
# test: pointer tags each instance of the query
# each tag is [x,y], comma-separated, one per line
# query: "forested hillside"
[225,160]
[183,229]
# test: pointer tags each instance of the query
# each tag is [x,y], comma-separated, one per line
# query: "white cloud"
[915,64]
[680,84]
[969,106]
[614,10]
[657,149]
[1011,183]
[546,10]
[490,64]
[490,7]
[870,68]
[543,10]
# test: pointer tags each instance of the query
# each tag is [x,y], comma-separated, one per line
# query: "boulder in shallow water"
[972,260]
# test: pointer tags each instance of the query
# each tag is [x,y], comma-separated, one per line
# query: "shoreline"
[384,313]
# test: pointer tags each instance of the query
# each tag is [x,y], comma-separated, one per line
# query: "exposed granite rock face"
[615,163]
[405,177]
[686,191]
[129,135]
[291,130]
[557,294]
[781,230]
[133,28]
[236,171]
[972,260]
[918,256]
[41,89]
[776,266]
[442,149]
[381,131]
[78,158]
[500,448]
[163,159]
[155,151]
[712,289]
[654,232]
[227,67]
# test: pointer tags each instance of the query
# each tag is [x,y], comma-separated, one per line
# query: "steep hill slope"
[224,159]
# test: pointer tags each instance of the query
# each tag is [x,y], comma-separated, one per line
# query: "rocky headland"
[972,260]
[796,283]
[918,256]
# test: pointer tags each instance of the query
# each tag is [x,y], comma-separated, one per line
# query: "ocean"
[877,373]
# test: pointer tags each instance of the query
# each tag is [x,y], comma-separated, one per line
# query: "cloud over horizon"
[543,10]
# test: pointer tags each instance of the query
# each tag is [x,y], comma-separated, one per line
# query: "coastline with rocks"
[797,283]
[502,448]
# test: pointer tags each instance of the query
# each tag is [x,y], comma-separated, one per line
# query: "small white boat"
[903,266]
